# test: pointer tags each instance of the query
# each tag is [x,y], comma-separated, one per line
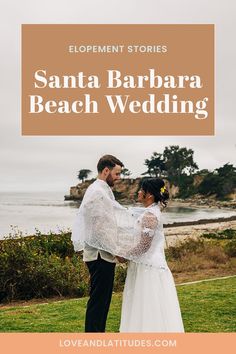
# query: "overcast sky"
[51,163]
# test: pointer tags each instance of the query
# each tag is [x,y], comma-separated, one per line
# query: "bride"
[150,302]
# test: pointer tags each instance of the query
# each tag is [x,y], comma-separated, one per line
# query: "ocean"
[47,211]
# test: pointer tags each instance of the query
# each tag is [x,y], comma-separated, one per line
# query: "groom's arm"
[102,226]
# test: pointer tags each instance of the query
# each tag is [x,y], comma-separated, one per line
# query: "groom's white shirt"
[90,253]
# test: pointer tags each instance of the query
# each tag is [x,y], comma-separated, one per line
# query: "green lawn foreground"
[206,307]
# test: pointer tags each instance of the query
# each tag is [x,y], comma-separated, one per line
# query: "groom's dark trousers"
[101,286]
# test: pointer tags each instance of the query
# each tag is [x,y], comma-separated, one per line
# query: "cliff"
[125,190]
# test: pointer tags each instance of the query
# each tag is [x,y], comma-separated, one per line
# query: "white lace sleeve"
[149,224]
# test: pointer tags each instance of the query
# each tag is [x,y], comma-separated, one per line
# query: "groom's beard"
[110,180]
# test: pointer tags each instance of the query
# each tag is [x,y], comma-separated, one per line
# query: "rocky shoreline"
[200,202]
[201,222]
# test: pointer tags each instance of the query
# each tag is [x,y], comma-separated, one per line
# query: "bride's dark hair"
[155,186]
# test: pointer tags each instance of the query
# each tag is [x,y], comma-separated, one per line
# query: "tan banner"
[117,79]
[54,343]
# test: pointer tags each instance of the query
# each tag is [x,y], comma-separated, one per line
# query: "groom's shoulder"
[95,188]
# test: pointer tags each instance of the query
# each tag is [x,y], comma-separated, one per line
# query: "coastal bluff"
[125,190]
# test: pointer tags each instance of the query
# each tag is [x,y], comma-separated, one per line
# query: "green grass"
[209,306]
[206,307]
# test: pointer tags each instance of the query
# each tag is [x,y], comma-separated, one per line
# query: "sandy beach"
[174,234]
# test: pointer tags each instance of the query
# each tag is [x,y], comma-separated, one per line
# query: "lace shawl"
[104,224]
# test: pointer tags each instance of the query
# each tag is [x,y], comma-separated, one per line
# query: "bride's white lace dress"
[150,302]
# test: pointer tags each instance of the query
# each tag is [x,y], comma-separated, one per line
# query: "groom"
[101,264]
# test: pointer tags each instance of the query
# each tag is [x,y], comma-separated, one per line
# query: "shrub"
[230,248]
[45,266]
[185,248]
[215,253]
[220,182]
[226,234]
[120,275]
[192,263]
[193,255]
[41,266]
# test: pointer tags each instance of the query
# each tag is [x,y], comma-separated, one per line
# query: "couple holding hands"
[109,233]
